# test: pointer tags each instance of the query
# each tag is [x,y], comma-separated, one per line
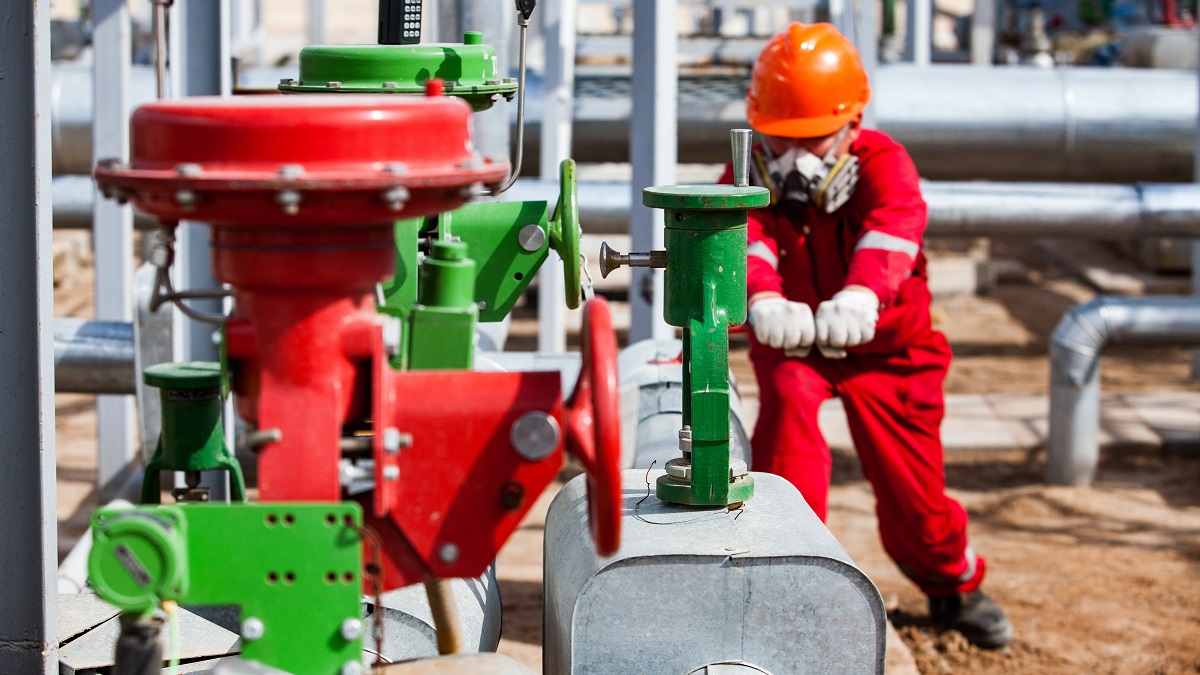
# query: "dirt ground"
[1103,579]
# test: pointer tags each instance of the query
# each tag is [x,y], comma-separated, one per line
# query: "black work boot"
[975,615]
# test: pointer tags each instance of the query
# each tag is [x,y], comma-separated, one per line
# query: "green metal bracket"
[468,70]
[193,435]
[705,294]
[294,569]
[509,241]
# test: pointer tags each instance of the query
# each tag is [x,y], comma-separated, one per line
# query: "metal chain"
[374,571]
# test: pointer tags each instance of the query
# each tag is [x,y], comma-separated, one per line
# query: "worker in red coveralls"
[835,262]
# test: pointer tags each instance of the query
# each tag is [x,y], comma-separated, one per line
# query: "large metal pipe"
[958,122]
[956,209]
[93,357]
[966,209]
[1073,448]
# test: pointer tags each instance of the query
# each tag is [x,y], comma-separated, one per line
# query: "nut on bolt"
[289,200]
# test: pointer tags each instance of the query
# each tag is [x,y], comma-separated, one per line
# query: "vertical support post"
[860,27]
[28,531]
[918,37]
[316,22]
[1196,242]
[558,18]
[112,232]
[653,150]
[983,32]
[203,41]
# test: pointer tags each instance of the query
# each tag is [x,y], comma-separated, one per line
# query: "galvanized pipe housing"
[1073,446]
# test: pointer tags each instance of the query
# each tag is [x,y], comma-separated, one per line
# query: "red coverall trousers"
[894,407]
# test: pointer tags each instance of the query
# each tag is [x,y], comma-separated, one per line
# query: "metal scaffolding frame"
[653,151]
[28,531]
[112,235]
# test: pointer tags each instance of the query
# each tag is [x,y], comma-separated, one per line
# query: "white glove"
[846,320]
[783,324]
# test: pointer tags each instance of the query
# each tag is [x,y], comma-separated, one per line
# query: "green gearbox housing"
[294,570]
[468,70]
[705,295]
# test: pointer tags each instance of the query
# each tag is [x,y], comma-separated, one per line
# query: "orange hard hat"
[807,82]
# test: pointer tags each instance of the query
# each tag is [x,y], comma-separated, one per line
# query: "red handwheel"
[593,425]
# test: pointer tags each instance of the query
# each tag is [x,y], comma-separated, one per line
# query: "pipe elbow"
[1079,339]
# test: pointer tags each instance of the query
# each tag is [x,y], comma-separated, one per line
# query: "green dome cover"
[469,70]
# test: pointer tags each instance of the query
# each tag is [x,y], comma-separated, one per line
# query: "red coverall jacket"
[890,387]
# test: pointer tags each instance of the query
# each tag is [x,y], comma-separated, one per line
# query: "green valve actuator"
[705,295]
[193,435]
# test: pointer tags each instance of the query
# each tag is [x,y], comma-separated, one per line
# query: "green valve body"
[193,435]
[705,295]
[468,70]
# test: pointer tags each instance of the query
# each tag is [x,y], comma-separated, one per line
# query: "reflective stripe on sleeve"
[763,252]
[882,241]
[969,574]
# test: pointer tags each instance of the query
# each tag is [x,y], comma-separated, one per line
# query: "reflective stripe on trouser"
[894,407]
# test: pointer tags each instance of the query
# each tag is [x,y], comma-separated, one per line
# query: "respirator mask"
[798,176]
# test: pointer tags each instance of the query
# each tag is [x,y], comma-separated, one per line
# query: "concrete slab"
[1026,417]
[1174,417]
[81,612]
[94,649]
[971,425]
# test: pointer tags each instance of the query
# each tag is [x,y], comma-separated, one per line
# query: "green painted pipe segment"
[705,294]
[193,434]
[468,70]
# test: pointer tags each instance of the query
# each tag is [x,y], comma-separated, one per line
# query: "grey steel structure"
[694,586]
[653,150]
[1073,449]
[116,418]
[29,529]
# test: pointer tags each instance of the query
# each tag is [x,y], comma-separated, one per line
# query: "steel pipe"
[958,122]
[1073,447]
[93,357]
[996,210]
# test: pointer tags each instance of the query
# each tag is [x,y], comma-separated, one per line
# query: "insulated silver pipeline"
[967,209]
[93,357]
[1075,349]
[958,122]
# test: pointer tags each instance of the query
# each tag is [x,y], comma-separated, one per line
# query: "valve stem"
[740,140]
[611,259]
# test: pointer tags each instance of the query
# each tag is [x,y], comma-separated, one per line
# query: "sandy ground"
[1103,579]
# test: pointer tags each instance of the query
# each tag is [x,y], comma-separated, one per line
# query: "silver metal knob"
[611,259]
